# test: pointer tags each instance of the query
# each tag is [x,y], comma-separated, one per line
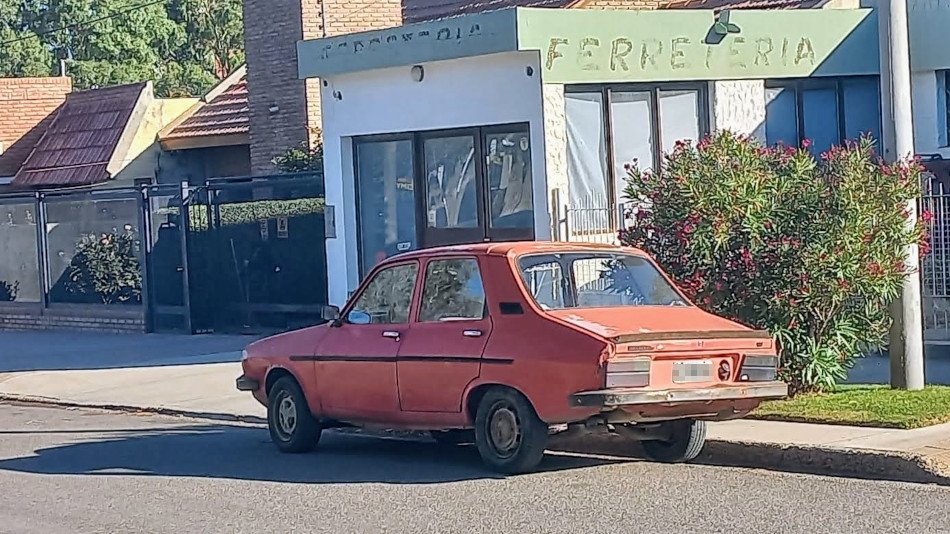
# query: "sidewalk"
[194,375]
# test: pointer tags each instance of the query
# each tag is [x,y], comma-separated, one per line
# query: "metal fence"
[590,220]
[228,255]
[935,266]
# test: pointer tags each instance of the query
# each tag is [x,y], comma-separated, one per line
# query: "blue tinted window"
[781,120]
[862,107]
[820,118]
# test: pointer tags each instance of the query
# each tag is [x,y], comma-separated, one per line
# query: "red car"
[498,343]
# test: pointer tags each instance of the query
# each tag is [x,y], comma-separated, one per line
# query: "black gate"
[255,257]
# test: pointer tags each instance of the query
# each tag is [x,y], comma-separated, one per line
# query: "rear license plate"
[692,371]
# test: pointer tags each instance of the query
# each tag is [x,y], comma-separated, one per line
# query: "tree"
[183,46]
[810,249]
[22,53]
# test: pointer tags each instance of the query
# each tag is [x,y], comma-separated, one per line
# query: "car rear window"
[596,280]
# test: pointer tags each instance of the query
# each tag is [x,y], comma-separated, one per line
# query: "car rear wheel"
[292,427]
[685,441]
[508,432]
[453,437]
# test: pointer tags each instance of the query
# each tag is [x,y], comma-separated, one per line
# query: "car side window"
[387,297]
[545,282]
[452,291]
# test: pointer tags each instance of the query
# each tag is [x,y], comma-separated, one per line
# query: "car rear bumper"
[247,384]
[627,396]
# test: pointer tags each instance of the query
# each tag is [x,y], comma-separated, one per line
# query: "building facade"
[516,124]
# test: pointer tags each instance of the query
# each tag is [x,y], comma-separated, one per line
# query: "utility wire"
[84,23]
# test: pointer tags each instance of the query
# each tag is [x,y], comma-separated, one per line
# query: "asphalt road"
[90,471]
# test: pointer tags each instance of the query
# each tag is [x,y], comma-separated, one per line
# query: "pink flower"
[926,216]
[806,142]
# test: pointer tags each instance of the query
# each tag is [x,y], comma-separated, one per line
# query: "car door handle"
[472,333]
[391,334]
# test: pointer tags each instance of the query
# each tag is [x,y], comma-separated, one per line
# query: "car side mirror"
[358,317]
[331,314]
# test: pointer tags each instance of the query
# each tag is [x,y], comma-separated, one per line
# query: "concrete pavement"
[195,375]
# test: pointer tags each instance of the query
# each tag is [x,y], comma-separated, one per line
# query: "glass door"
[453,207]
[508,185]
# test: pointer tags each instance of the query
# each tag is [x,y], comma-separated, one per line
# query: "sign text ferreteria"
[679,53]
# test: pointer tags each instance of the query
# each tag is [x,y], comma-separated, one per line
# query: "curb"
[211,416]
[866,464]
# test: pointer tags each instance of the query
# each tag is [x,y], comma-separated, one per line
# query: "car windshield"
[596,280]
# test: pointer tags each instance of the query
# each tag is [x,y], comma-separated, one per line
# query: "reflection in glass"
[94,251]
[388,295]
[19,270]
[452,291]
[386,200]
[509,180]
[451,197]
[781,118]
[820,118]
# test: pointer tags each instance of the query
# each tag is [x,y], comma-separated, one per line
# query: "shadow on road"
[246,453]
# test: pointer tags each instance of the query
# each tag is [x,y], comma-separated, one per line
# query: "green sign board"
[579,46]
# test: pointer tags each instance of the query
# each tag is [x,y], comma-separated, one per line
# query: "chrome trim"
[687,335]
[625,396]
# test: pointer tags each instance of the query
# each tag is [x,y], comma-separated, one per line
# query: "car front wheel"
[508,432]
[292,427]
[684,441]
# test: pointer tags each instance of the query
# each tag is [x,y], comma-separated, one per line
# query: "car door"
[441,353]
[356,362]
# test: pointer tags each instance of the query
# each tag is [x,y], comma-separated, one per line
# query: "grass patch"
[876,406]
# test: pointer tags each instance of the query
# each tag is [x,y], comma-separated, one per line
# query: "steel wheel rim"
[286,423]
[504,430]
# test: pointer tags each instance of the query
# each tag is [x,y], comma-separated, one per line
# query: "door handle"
[472,333]
[391,334]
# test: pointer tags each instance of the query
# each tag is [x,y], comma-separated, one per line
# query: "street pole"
[906,334]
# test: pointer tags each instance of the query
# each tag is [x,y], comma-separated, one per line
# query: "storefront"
[504,125]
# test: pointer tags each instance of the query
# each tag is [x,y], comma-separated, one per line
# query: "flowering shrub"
[810,249]
[107,267]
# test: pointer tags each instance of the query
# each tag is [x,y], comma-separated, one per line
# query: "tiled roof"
[743,4]
[225,114]
[422,10]
[79,144]
[27,106]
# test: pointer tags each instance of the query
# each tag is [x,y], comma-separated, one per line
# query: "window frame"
[417,316]
[351,305]
[799,85]
[417,139]
[656,128]
[943,81]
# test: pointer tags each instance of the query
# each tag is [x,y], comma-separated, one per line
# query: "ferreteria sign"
[587,46]
[597,46]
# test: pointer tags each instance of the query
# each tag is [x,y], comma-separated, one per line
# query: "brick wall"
[271,31]
[26,106]
[622,4]
[26,319]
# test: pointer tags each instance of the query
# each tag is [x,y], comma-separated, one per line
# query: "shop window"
[643,123]
[943,111]
[424,189]
[824,110]
[387,205]
[452,291]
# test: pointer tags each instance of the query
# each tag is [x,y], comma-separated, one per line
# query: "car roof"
[511,248]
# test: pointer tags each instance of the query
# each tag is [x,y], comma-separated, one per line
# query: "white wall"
[475,91]
[738,106]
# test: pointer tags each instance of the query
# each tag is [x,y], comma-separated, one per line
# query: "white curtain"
[632,124]
[586,150]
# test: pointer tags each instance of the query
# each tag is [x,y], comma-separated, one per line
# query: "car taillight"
[758,368]
[628,373]
[725,370]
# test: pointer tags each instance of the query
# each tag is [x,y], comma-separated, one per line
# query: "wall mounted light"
[721,27]
[418,73]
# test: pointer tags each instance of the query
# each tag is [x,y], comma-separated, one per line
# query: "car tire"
[292,427]
[508,432]
[453,437]
[685,442]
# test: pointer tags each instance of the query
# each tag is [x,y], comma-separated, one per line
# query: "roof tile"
[226,114]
